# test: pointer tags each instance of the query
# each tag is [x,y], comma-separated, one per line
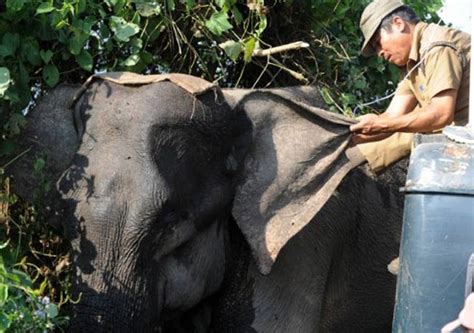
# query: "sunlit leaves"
[218,23]
[131,60]
[51,310]
[122,29]
[249,47]
[148,8]
[45,7]
[232,49]
[4,80]
[15,5]
[81,32]
[171,5]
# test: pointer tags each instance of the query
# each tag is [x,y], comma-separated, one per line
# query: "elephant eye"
[170,214]
[183,215]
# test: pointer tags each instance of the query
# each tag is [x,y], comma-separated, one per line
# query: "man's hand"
[369,129]
[369,124]
[364,138]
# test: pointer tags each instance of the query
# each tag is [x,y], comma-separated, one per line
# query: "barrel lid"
[443,167]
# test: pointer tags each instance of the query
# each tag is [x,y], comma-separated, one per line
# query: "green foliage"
[333,60]
[34,281]
[22,308]
[45,42]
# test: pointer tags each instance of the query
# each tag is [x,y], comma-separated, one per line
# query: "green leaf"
[30,50]
[122,29]
[326,95]
[5,51]
[4,245]
[6,147]
[84,59]
[39,164]
[131,60]
[237,15]
[24,77]
[262,25]
[10,43]
[3,293]
[76,43]
[119,4]
[46,55]
[218,23]
[51,310]
[4,80]
[42,286]
[19,277]
[232,49]
[82,30]
[190,4]
[51,75]
[44,8]
[220,3]
[15,5]
[249,47]
[15,123]
[171,5]
[81,6]
[4,321]
[136,44]
[360,84]
[146,57]
[147,9]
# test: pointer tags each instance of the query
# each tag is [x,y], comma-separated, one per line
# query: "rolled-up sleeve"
[443,70]
[403,88]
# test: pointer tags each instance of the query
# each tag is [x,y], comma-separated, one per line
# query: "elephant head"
[150,188]
[155,174]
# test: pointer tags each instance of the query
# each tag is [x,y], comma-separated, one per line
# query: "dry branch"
[279,49]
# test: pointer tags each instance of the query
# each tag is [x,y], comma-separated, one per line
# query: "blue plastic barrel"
[437,237]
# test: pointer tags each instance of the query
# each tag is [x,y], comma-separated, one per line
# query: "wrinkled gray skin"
[147,193]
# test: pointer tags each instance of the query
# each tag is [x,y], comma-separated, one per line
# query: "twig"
[296,75]
[15,158]
[279,49]
[262,72]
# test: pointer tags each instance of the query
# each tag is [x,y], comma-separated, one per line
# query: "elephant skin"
[147,190]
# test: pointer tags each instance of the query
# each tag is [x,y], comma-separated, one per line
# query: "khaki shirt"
[445,55]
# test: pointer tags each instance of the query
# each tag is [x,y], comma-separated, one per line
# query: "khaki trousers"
[383,153]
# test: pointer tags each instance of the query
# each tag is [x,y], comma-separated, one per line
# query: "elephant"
[147,180]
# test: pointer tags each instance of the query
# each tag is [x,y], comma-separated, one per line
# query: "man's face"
[393,45]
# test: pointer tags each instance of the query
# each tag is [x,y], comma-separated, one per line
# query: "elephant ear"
[298,156]
[50,135]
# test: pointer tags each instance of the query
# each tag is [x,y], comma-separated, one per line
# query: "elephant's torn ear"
[298,157]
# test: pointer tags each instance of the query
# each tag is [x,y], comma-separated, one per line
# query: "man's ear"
[398,24]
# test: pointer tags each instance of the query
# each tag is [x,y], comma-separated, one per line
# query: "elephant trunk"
[114,306]
[96,313]
[118,289]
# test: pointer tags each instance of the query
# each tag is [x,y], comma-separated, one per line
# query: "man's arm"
[437,115]
[399,105]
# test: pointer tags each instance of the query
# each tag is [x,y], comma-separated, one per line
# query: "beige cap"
[371,18]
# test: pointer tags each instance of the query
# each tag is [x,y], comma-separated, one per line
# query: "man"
[435,92]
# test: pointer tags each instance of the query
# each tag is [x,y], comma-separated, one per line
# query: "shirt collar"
[417,36]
